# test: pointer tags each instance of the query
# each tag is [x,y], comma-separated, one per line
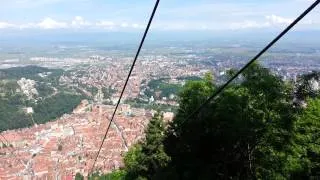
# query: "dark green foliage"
[48,106]
[8,87]
[147,159]
[308,139]
[79,177]
[94,176]
[55,106]
[304,87]
[19,72]
[190,78]
[53,78]
[31,72]
[166,89]
[108,92]
[138,103]
[44,90]
[93,90]
[242,134]
[11,114]
[115,175]
[11,103]
[154,84]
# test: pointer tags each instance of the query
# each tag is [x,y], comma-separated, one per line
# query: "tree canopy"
[252,130]
[146,158]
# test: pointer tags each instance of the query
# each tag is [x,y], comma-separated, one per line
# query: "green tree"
[304,86]
[146,159]
[79,177]
[132,161]
[55,106]
[115,175]
[308,139]
[244,133]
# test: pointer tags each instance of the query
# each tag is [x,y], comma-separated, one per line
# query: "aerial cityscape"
[60,82]
[65,145]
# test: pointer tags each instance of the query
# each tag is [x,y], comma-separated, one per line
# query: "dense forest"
[11,114]
[47,106]
[260,127]
[29,72]
[158,89]
[160,85]
[13,117]
[55,107]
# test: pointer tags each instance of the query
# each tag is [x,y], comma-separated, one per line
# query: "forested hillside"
[50,101]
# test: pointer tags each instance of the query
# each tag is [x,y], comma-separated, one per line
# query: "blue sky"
[172,15]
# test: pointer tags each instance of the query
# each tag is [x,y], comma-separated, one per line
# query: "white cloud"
[137,26]
[4,25]
[269,21]
[27,26]
[49,23]
[105,24]
[308,22]
[124,25]
[78,22]
[248,25]
[278,20]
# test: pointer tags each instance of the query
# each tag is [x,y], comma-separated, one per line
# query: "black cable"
[221,88]
[127,80]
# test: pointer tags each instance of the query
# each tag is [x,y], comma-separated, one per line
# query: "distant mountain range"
[155,37]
